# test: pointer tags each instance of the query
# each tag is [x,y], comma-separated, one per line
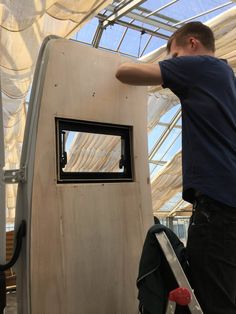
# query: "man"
[206,88]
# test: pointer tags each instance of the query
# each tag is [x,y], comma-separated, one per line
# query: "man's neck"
[204,52]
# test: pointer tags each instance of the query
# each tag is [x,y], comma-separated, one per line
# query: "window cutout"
[93,152]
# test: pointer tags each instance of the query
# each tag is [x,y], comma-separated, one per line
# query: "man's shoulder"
[194,63]
[184,61]
[194,59]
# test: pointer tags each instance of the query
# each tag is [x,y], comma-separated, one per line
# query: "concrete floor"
[11,303]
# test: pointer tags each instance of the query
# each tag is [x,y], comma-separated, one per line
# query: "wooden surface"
[10,273]
[86,239]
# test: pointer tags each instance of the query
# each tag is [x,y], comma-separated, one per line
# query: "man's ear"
[194,43]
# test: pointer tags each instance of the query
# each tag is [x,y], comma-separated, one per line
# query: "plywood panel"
[86,239]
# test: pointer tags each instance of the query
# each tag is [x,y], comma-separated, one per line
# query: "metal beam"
[137,28]
[147,43]
[157,162]
[161,8]
[143,10]
[168,19]
[204,13]
[122,11]
[161,213]
[170,146]
[170,222]
[177,211]
[151,21]
[122,37]
[180,202]
[98,35]
[165,134]
[146,19]
[167,124]
[143,30]
[119,3]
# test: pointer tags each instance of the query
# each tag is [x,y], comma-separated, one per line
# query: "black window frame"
[124,131]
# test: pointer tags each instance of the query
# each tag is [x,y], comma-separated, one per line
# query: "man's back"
[206,88]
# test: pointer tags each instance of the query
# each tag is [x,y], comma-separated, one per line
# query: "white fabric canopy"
[163,188]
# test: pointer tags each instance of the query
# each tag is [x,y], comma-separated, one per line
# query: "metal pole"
[122,11]
[170,222]
[204,13]
[2,188]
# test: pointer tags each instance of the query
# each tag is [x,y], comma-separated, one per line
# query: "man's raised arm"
[139,74]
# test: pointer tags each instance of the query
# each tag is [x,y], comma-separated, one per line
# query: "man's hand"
[145,74]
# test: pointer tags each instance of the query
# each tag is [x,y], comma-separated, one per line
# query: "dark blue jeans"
[211,250]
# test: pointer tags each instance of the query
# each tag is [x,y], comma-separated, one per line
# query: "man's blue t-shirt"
[206,88]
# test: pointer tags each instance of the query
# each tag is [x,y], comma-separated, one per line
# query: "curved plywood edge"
[24,191]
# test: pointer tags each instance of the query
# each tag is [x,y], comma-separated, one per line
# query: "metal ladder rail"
[177,270]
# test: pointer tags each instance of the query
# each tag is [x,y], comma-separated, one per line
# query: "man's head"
[193,38]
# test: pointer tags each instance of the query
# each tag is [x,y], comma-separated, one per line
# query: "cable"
[19,237]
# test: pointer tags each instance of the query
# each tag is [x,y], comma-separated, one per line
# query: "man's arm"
[139,74]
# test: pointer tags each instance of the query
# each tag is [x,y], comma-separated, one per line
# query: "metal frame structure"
[135,11]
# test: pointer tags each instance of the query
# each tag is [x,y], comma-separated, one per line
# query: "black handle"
[19,236]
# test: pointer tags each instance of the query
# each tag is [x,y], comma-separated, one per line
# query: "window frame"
[124,131]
